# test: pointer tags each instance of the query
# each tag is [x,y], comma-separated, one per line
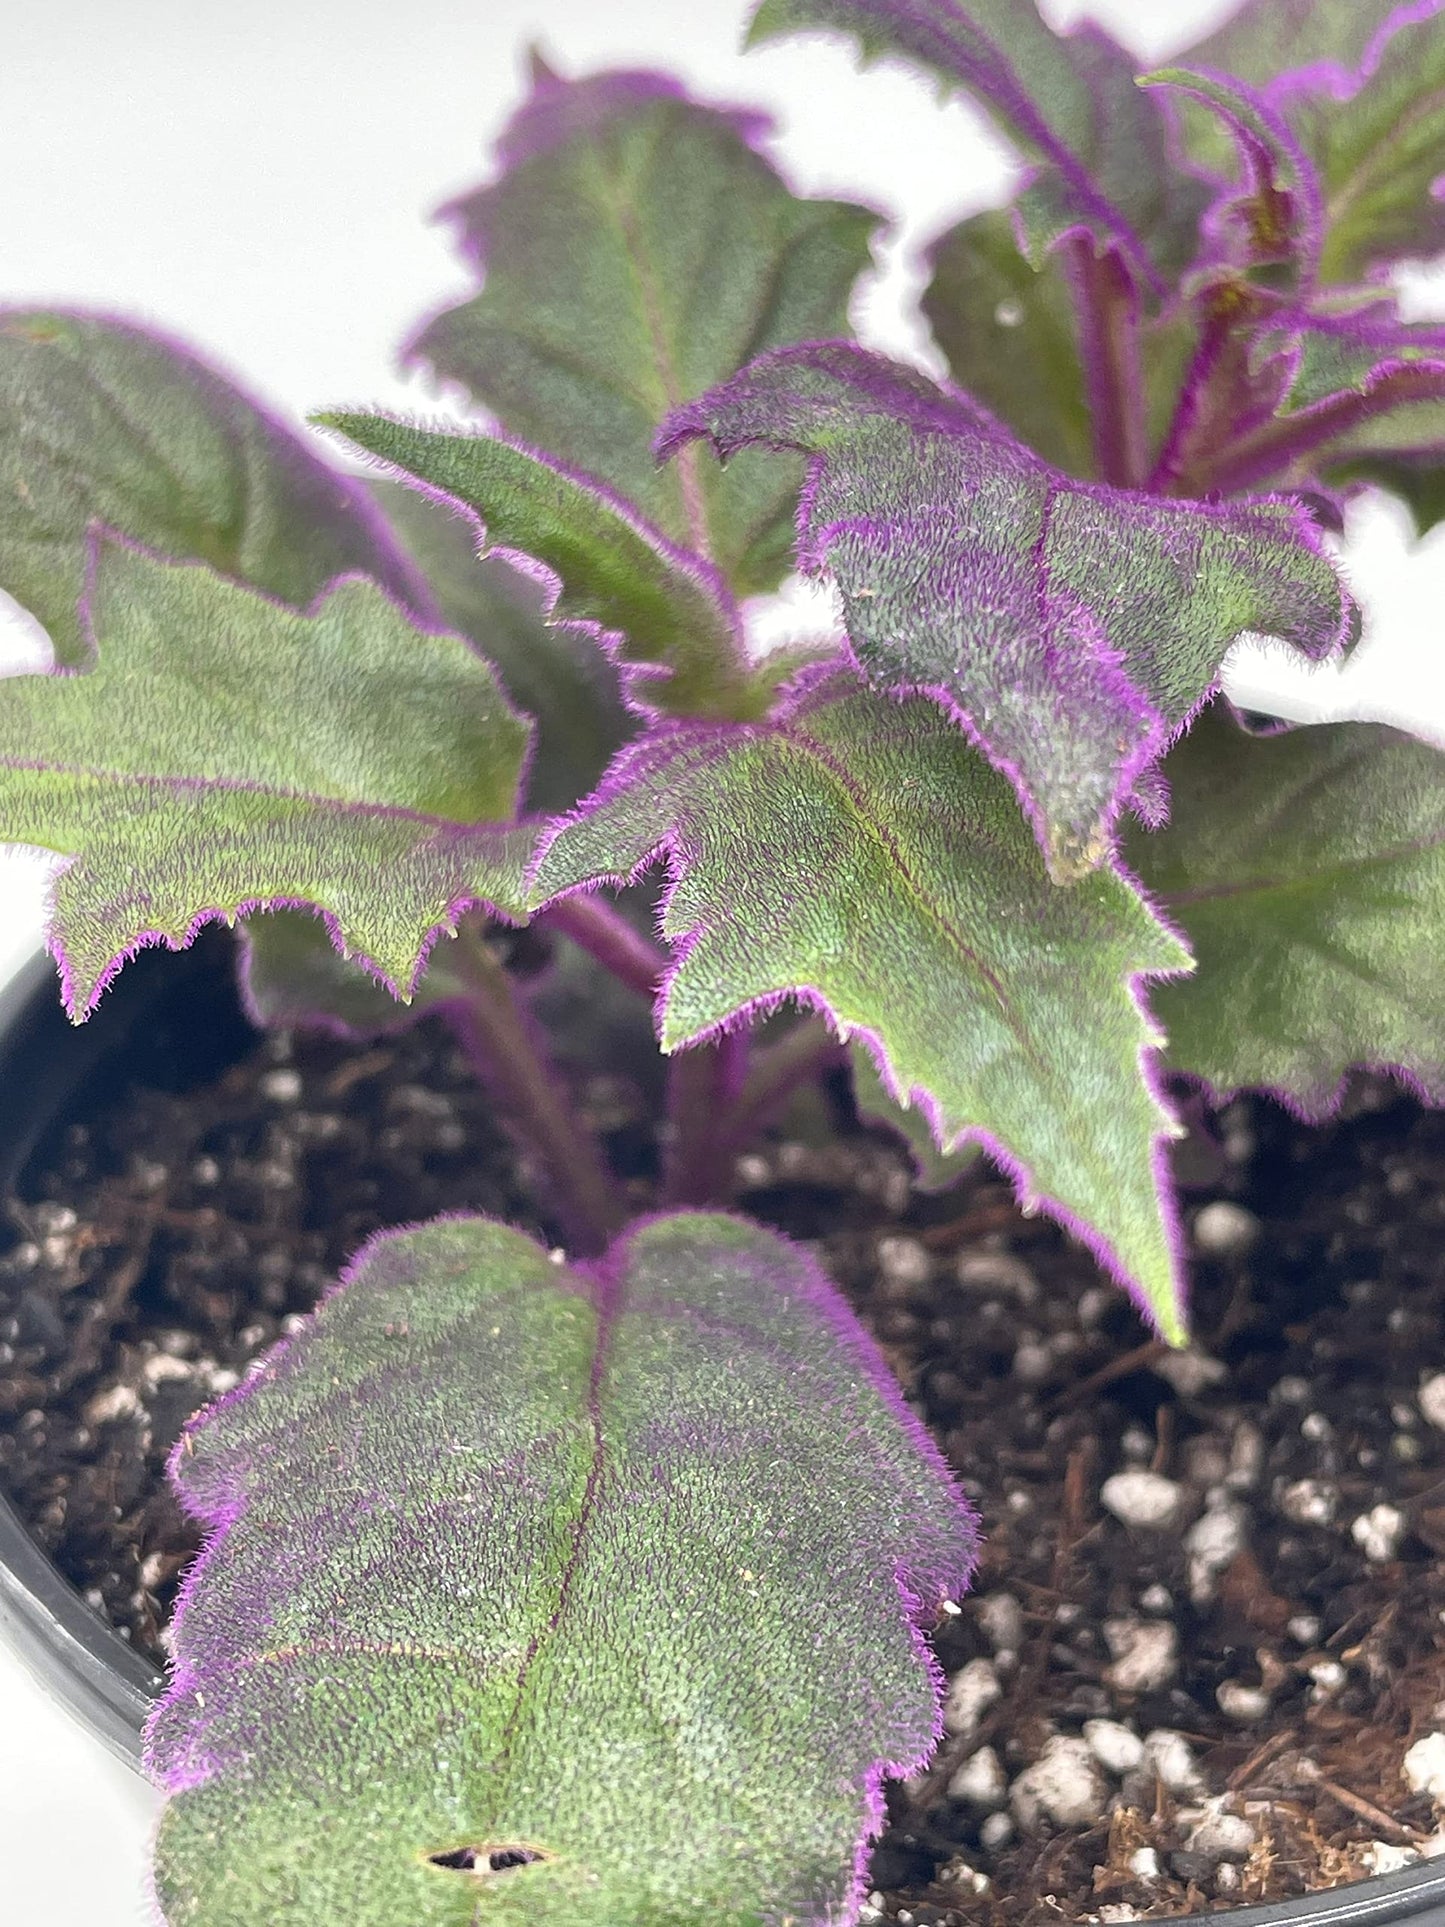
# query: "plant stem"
[702,1086]
[1268,454]
[605,934]
[510,1060]
[1107,310]
[804,1053]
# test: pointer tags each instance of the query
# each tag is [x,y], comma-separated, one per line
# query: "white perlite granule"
[1064,1785]
[1432,1398]
[1146,1654]
[1378,1532]
[971,1692]
[1424,1767]
[1141,1498]
[1117,1748]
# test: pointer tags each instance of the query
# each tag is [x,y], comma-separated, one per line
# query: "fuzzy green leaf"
[552,671]
[934,1170]
[228,753]
[1008,332]
[1362,84]
[1265,38]
[1379,153]
[1071,628]
[657,607]
[100,421]
[476,1532]
[1067,101]
[291,973]
[858,855]
[1308,872]
[637,250]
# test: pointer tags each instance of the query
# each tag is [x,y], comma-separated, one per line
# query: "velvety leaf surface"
[1357,386]
[859,856]
[1334,354]
[934,1170]
[658,607]
[1071,628]
[103,421]
[638,249]
[228,753]
[1275,216]
[1066,100]
[1008,332]
[1264,38]
[1376,138]
[292,974]
[1308,872]
[553,671]
[475,1532]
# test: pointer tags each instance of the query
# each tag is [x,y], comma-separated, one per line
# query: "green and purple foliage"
[996,844]
[487,1504]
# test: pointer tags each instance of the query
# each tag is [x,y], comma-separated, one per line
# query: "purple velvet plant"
[996,845]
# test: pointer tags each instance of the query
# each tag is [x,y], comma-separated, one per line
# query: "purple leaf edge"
[612,642]
[1152,1070]
[98,536]
[689,423]
[409,587]
[603,1275]
[1334,77]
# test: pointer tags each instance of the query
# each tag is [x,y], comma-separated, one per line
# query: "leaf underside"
[636,250]
[1072,628]
[473,1534]
[1307,871]
[857,854]
[227,753]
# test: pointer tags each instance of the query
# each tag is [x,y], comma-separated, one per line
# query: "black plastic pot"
[174,1017]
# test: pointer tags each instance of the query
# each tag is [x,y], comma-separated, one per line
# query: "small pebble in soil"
[1384,1856]
[1379,1531]
[1191,1372]
[1145,1654]
[1224,1230]
[1063,1785]
[1002,1619]
[904,1263]
[1424,1767]
[1117,1748]
[980,1781]
[971,1692]
[1328,1676]
[1144,1499]
[1172,1759]
[1219,1834]
[1213,1543]
[996,1831]
[1241,1703]
[1432,1398]
[1144,1864]
[1309,1502]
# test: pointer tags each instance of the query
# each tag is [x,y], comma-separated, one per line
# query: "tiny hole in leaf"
[486,1859]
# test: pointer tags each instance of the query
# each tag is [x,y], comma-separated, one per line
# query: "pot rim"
[111,1689]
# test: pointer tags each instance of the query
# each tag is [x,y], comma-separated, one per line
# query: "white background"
[256,180]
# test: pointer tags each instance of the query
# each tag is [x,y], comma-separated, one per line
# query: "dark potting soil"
[1210,1617]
